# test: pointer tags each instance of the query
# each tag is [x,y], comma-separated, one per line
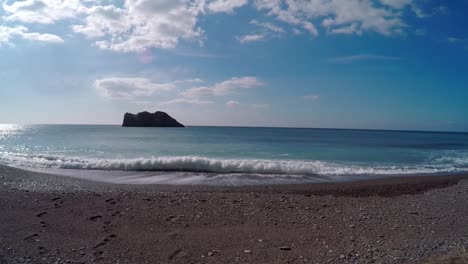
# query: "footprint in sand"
[41,214]
[103,243]
[31,236]
[42,250]
[94,218]
[110,201]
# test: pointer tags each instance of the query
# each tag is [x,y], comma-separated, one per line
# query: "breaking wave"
[225,166]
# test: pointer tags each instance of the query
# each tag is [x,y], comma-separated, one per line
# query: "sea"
[230,156]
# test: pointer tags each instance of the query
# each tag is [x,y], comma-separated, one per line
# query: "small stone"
[286,248]
[210,254]
[247,251]
[260,240]
[342,256]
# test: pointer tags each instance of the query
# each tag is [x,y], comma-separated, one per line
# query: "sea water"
[230,155]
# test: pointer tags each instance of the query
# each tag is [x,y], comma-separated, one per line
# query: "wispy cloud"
[195,54]
[363,57]
[187,101]
[342,16]
[250,38]
[7,34]
[268,26]
[311,97]
[148,24]
[226,6]
[43,12]
[141,90]
[232,103]
[455,39]
[123,88]
[223,88]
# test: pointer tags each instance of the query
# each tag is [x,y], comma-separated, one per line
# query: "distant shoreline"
[314,128]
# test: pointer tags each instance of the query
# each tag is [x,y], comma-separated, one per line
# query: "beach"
[57,219]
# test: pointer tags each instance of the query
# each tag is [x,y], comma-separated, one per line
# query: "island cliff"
[146,119]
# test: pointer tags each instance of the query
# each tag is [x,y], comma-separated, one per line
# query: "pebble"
[247,251]
[285,248]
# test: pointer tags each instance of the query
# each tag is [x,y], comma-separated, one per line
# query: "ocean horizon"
[247,126]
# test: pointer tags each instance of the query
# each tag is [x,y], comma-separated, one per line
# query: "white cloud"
[311,97]
[268,26]
[250,38]
[261,106]
[9,33]
[138,90]
[398,4]
[338,16]
[363,57]
[143,24]
[223,88]
[232,103]
[267,29]
[138,25]
[187,101]
[296,31]
[351,29]
[226,6]
[42,11]
[131,88]
[102,20]
[454,39]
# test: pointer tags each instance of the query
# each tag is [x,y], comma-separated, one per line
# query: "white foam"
[222,166]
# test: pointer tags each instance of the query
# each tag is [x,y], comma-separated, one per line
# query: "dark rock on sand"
[146,119]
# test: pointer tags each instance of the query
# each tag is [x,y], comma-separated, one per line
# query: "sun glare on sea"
[7,130]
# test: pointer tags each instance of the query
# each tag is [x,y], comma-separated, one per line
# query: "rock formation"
[146,119]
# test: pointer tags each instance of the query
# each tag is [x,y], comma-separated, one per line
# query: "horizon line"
[246,126]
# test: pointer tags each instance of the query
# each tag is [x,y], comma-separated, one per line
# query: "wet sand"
[56,219]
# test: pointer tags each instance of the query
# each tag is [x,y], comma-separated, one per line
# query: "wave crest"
[204,164]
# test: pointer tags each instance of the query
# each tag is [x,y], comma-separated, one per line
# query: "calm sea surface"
[229,155]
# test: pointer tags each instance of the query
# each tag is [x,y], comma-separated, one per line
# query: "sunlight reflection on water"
[9,130]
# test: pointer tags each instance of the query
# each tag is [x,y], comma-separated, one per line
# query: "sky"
[379,64]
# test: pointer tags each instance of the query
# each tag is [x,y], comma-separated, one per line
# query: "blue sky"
[384,64]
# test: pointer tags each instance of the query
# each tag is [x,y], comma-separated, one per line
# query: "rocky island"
[147,119]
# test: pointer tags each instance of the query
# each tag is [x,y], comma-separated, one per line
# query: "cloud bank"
[138,89]
[136,25]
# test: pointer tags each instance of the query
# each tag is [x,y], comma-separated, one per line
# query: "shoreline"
[49,218]
[381,186]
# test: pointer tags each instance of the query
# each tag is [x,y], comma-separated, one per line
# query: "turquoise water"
[230,155]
